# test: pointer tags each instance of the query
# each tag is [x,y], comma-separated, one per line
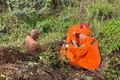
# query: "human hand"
[66,45]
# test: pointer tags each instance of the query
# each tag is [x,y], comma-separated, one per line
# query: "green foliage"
[2,28]
[66,70]
[89,78]
[60,78]
[53,18]
[19,61]
[109,36]
[111,1]
[31,73]
[100,10]
[2,75]
[113,70]
[49,59]
[33,64]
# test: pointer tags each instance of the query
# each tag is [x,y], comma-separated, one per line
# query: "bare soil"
[11,69]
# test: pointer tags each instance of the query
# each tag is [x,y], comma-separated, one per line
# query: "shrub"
[109,36]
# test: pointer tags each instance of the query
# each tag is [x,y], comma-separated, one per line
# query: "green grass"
[102,17]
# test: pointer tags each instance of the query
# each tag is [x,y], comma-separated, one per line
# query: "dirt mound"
[15,66]
[3,55]
[27,69]
[10,55]
[23,72]
[34,71]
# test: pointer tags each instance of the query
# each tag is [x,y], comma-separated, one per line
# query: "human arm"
[40,47]
[79,52]
[74,43]
[74,39]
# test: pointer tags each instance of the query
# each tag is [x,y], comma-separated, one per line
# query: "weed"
[53,21]
[89,78]
[3,76]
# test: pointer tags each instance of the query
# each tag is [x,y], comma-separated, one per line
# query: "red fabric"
[84,26]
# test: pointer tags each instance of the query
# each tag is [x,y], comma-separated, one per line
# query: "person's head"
[84,26]
[34,34]
[83,33]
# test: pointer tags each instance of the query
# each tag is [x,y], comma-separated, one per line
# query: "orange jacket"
[72,33]
[87,55]
[64,53]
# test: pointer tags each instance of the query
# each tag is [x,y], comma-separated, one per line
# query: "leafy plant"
[53,18]
[110,36]
[60,78]
[89,78]
[32,64]
[66,70]
[2,75]
[19,61]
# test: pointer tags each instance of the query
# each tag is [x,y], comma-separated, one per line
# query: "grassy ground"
[101,16]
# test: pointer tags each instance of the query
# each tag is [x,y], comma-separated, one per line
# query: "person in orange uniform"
[87,55]
[72,34]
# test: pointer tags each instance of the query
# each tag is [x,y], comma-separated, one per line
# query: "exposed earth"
[14,66]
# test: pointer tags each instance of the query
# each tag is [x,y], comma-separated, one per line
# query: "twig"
[55,49]
[80,9]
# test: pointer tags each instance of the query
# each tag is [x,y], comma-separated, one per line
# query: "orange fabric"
[87,55]
[72,33]
[69,55]
[64,52]
[85,31]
